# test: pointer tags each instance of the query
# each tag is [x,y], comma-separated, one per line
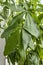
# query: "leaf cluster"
[24,31]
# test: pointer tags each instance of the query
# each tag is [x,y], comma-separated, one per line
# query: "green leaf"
[41,24]
[35,17]
[14,56]
[41,44]
[22,54]
[40,16]
[11,56]
[14,24]
[1,20]
[31,26]
[5,12]
[24,32]
[16,8]
[27,40]
[40,8]
[21,50]
[40,52]
[11,42]
[32,59]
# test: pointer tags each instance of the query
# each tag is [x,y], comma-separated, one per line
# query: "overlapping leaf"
[14,24]
[31,26]
[13,7]
[27,40]
[32,59]
[23,31]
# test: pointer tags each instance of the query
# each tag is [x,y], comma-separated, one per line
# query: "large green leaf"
[11,42]
[14,24]
[31,26]
[24,41]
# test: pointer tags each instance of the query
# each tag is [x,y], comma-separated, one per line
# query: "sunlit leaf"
[40,52]
[31,26]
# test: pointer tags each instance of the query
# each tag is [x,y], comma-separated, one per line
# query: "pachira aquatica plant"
[23,31]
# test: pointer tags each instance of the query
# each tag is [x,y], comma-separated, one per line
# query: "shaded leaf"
[11,42]
[32,59]
[14,24]
[1,20]
[14,56]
